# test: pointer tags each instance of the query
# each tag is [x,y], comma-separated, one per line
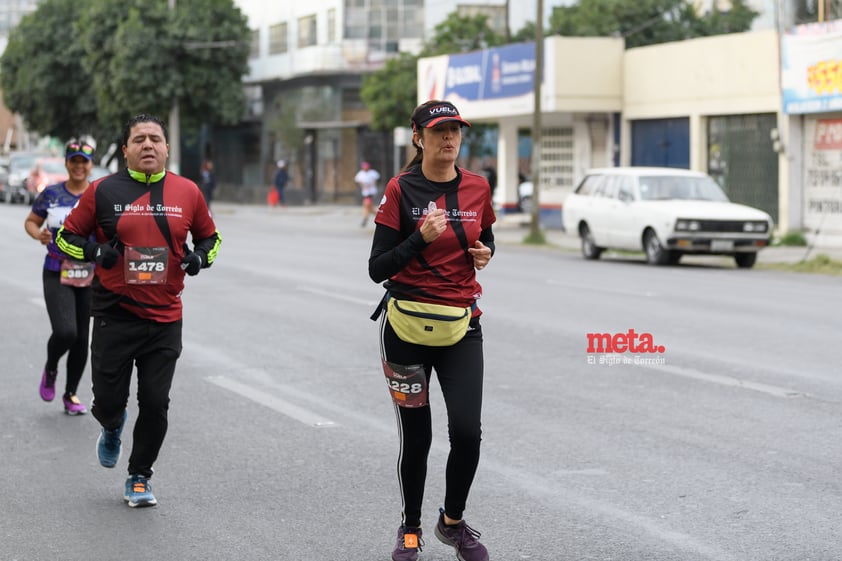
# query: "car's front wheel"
[746,260]
[589,248]
[656,254]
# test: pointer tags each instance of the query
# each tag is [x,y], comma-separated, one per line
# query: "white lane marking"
[563,496]
[775,391]
[276,403]
[214,356]
[336,296]
[588,471]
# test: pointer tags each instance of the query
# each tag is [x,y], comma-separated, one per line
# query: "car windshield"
[55,167]
[22,163]
[669,187]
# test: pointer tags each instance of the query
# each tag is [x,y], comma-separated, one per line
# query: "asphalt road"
[282,442]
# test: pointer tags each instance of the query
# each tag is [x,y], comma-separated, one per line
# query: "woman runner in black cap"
[433,232]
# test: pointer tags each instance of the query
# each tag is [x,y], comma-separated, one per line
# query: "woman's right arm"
[34,227]
[389,254]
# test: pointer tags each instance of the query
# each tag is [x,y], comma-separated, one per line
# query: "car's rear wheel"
[656,254]
[746,260]
[589,248]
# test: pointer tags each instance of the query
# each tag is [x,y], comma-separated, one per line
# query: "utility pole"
[535,233]
[175,127]
[508,22]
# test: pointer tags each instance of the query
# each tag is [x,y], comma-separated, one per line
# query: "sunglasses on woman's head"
[80,147]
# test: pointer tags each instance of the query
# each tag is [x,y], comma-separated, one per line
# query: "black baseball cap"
[426,116]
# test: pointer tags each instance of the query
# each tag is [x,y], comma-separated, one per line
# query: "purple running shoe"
[463,538]
[48,385]
[408,545]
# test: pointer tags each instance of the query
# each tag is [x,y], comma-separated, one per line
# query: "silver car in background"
[20,164]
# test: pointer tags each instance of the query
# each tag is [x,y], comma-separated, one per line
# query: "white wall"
[720,75]
[322,57]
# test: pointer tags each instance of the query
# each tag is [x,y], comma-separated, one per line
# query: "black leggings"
[459,369]
[69,309]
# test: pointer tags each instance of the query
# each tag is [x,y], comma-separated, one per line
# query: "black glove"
[104,254]
[191,263]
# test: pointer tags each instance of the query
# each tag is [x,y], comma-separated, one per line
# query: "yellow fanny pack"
[433,325]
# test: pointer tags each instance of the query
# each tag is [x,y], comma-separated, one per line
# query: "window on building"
[356,23]
[351,99]
[375,25]
[810,11]
[383,23]
[254,51]
[307,31]
[557,157]
[278,39]
[412,19]
[331,26]
[496,16]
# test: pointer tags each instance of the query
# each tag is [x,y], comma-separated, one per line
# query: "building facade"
[811,131]
[307,64]
[759,111]
[306,69]
[714,104]
[581,99]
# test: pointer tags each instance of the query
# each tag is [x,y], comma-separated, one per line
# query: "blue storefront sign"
[494,73]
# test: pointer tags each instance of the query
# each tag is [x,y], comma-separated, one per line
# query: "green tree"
[140,74]
[213,42]
[390,93]
[309,103]
[647,22]
[92,65]
[739,18]
[462,34]
[42,74]
[196,53]
[526,33]
[96,32]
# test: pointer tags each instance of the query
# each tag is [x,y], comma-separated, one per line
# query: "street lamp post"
[175,139]
[535,233]
[175,127]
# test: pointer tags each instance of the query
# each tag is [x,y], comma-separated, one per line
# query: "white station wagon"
[664,212]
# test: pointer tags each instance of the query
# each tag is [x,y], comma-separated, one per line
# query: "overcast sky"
[520,11]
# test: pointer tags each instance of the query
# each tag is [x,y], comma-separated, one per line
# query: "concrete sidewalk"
[513,228]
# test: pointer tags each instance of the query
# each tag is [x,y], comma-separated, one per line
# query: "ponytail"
[419,156]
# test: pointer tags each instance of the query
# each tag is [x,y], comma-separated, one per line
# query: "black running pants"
[118,345]
[69,309]
[459,370]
